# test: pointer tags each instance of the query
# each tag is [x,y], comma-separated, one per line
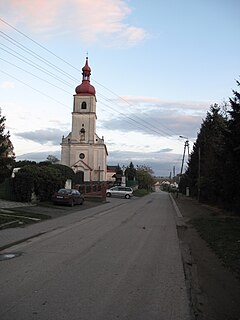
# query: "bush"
[48,181]
[42,180]
[23,183]
[140,192]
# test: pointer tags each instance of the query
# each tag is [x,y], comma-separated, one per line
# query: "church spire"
[85,88]
[86,71]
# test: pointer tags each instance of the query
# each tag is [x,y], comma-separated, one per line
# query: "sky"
[157,66]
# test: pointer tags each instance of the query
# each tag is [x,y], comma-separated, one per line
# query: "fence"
[93,190]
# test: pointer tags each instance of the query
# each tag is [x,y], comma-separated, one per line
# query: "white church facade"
[82,150]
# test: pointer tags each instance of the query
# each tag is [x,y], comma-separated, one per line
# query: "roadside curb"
[20,241]
[179,217]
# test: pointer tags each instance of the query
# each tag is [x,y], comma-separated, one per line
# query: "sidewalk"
[12,236]
[4,204]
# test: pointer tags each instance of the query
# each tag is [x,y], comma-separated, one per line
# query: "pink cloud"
[91,20]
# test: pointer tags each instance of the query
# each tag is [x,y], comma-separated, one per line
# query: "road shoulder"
[214,290]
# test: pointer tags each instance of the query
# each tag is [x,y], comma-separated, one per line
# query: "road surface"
[124,263]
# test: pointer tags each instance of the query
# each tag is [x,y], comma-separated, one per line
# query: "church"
[83,150]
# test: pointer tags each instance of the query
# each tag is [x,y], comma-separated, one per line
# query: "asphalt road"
[123,263]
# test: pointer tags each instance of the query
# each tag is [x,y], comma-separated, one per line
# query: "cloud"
[38,156]
[7,85]
[165,150]
[153,116]
[160,165]
[49,136]
[158,123]
[102,21]
[155,102]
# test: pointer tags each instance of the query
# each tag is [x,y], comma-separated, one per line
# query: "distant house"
[111,171]
[114,174]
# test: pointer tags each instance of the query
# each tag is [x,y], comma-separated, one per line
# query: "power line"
[149,125]
[146,125]
[33,64]
[35,55]
[32,74]
[38,44]
[49,51]
[42,93]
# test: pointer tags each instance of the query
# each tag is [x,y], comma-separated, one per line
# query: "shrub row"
[43,180]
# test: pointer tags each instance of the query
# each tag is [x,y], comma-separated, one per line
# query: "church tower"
[82,150]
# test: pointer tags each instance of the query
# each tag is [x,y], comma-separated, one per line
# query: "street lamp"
[123,177]
[186,146]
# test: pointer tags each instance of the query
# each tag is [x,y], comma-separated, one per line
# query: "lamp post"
[123,177]
[186,146]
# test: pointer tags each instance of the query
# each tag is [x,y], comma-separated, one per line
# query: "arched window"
[84,105]
[82,134]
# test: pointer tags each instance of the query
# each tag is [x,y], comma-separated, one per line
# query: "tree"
[145,177]
[42,180]
[207,156]
[232,177]
[130,172]
[52,159]
[23,163]
[6,151]
[66,171]
[49,179]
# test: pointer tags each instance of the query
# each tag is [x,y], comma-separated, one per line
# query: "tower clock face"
[81,155]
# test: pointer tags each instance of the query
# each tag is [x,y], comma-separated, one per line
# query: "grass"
[223,236]
[12,219]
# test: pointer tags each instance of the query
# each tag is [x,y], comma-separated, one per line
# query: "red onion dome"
[85,88]
[86,69]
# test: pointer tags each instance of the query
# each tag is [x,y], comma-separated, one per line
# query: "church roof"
[85,88]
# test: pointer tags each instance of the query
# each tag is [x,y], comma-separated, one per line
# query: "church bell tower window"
[84,105]
[82,134]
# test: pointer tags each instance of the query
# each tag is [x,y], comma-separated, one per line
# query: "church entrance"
[79,177]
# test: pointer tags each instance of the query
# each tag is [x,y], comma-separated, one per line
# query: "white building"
[82,149]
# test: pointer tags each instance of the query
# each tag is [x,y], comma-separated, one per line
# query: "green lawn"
[14,219]
[223,236]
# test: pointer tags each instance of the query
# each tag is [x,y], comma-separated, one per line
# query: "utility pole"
[199,173]
[186,146]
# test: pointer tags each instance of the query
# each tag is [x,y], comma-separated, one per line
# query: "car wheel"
[108,194]
[127,196]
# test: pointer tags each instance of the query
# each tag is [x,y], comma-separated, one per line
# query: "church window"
[82,156]
[84,105]
[82,134]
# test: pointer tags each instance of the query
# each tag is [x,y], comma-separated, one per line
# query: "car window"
[64,191]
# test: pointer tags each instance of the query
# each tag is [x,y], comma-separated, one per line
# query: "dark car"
[68,196]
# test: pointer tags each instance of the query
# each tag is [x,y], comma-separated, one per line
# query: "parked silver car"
[125,192]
